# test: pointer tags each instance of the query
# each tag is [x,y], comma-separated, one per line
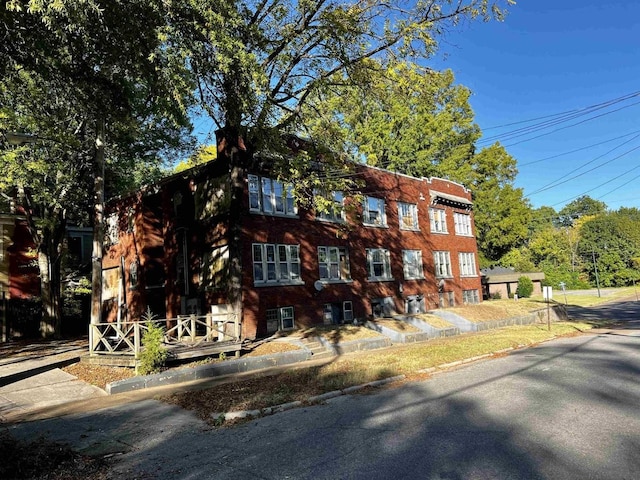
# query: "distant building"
[410,247]
[504,282]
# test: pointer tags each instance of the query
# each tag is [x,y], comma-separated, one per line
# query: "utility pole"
[595,266]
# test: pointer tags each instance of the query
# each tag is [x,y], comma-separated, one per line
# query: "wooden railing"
[125,338]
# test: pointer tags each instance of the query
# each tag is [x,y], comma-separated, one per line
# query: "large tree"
[74,73]
[405,118]
[258,62]
[418,122]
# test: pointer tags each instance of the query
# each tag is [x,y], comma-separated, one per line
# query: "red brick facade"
[298,269]
[19,273]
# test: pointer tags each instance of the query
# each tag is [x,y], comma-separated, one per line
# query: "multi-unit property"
[408,247]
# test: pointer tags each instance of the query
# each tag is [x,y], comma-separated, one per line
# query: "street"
[569,409]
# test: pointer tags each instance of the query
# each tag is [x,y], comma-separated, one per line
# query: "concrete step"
[316,348]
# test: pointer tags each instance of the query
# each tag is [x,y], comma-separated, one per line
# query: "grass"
[590,299]
[362,367]
[496,309]
[396,325]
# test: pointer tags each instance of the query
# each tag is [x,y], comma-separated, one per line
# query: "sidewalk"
[31,377]
[33,386]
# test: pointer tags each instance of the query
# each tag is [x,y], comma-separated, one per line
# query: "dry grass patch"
[396,325]
[359,368]
[337,333]
[496,309]
[269,348]
[434,320]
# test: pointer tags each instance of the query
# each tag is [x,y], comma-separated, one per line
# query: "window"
[462,223]
[412,261]
[378,264]
[276,263]
[408,214]
[470,296]
[446,299]
[281,318]
[335,208]
[373,212]
[333,263]
[442,262]
[270,196]
[336,313]
[467,264]
[347,311]
[438,220]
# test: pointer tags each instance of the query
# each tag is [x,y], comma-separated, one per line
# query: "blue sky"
[552,57]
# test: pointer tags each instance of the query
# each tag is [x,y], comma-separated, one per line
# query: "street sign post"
[547,294]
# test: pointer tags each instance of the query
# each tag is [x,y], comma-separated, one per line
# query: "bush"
[153,355]
[525,287]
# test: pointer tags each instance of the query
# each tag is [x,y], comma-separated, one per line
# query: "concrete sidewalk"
[33,386]
[31,377]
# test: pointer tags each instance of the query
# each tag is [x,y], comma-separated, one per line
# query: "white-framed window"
[408,215]
[467,264]
[378,264]
[347,311]
[373,212]
[333,263]
[412,264]
[438,220]
[276,263]
[470,296]
[281,318]
[462,222]
[442,263]
[334,313]
[270,196]
[335,209]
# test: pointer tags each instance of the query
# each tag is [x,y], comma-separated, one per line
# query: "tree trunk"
[232,150]
[98,231]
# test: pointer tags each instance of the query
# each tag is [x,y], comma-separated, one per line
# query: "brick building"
[409,247]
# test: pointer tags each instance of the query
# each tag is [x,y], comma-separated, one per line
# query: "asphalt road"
[566,409]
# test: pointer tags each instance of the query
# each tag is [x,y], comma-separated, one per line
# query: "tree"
[525,287]
[580,207]
[611,242]
[500,211]
[258,63]
[408,119]
[73,71]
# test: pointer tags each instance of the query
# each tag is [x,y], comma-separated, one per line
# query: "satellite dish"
[318,285]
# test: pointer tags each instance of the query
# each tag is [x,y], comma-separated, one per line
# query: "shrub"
[496,296]
[153,355]
[525,287]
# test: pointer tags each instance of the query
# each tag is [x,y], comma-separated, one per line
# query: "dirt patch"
[99,375]
[42,459]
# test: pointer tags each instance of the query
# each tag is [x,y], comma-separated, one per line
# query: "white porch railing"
[187,330]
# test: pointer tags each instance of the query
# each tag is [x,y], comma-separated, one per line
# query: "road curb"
[243,414]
